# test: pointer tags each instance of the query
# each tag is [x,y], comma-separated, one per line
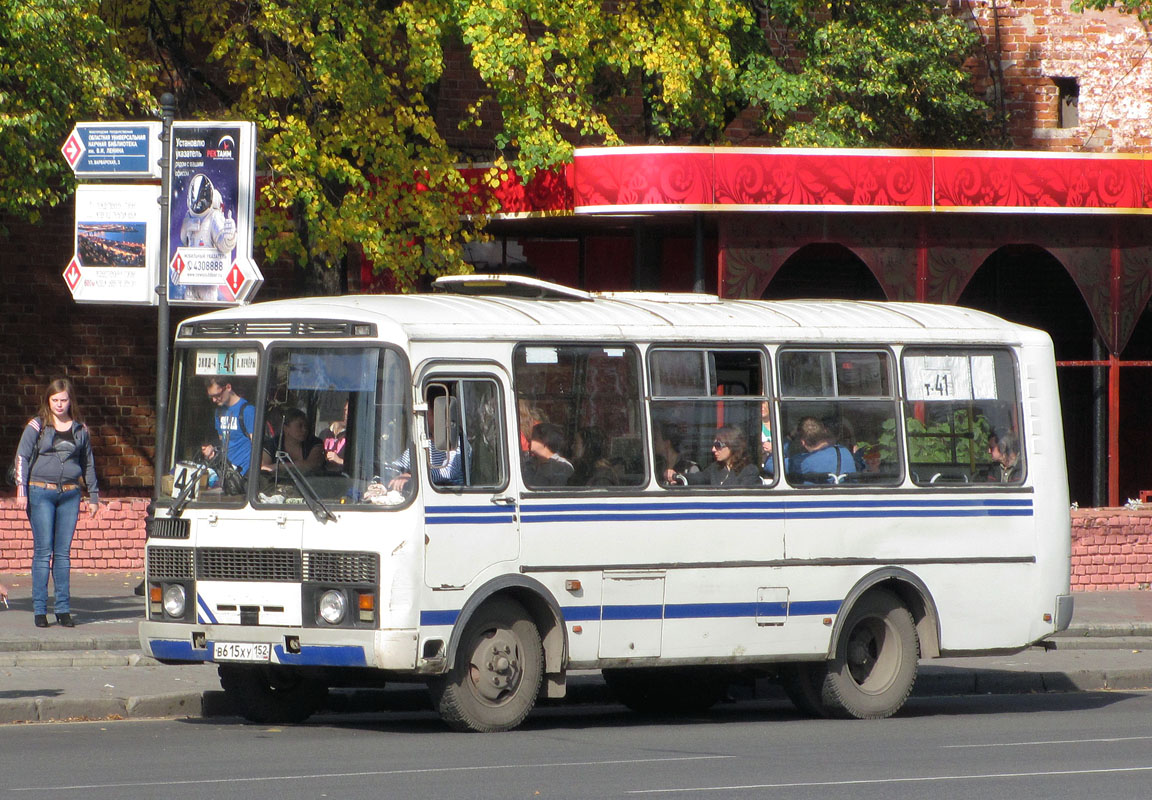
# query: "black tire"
[877,653]
[497,673]
[267,694]
[667,690]
[803,682]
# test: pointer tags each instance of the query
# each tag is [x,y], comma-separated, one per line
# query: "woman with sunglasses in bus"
[731,465]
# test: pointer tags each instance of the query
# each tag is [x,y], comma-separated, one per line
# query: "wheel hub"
[495,666]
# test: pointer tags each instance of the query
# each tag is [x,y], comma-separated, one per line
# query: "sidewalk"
[96,670]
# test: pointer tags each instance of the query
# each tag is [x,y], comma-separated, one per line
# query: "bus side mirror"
[444,429]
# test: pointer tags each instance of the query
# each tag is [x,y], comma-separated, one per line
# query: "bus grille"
[331,567]
[235,564]
[229,564]
[169,528]
[170,563]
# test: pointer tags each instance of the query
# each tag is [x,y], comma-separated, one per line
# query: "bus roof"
[641,316]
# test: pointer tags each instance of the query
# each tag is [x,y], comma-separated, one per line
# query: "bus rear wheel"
[874,667]
[497,673]
[266,694]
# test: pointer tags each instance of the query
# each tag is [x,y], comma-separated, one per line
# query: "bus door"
[471,513]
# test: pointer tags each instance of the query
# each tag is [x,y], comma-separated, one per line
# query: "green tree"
[59,62]
[361,157]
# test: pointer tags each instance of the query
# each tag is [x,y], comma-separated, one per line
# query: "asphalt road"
[1050,746]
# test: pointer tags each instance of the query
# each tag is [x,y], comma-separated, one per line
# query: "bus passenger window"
[471,455]
[580,416]
[711,419]
[839,414]
[962,417]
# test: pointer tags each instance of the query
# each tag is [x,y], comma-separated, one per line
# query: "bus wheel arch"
[541,607]
[914,595]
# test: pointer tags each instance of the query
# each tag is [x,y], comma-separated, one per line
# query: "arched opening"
[824,270]
[1026,284]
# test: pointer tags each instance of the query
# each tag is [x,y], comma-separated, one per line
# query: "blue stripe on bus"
[469,515]
[706,505]
[439,617]
[807,608]
[619,516]
[206,616]
[324,656]
[767,509]
[178,650]
[632,612]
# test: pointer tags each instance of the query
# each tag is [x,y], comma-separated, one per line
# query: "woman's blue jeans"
[53,516]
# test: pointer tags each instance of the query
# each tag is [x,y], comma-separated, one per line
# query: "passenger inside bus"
[543,464]
[334,439]
[815,458]
[591,466]
[767,454]
[446,466]
[305,450]
[666,443]
[732,464]
[1005,451]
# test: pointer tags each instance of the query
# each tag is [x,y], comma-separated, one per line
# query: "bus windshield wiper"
[181,500]
[319,510]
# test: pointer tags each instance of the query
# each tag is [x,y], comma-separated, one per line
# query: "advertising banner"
[117,245]
[212,191]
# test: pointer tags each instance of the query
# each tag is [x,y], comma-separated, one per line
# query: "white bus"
[490,486]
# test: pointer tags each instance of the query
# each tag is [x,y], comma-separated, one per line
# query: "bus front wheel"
[265,694]
[874,667]
[497,672]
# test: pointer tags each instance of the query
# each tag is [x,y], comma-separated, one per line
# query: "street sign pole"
[168,108]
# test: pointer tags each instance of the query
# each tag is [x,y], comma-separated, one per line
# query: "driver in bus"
[235,420]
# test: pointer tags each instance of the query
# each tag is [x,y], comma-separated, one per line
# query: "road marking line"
[1050,741]
[328,775]
[877,781]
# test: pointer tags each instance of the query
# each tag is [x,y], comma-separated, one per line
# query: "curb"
[25,644]
[75,658]
[1104,630]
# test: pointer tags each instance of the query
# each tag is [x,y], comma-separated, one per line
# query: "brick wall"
[1028,44]
[114,542]
[1111,549]
[109,353]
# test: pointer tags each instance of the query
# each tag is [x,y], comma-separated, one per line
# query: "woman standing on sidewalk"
[55,452]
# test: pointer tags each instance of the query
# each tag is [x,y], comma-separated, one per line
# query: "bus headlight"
[174,600]
[333,606]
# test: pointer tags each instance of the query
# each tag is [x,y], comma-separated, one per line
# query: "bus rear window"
[962,417]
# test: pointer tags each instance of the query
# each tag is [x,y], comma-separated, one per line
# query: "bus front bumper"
[393,650]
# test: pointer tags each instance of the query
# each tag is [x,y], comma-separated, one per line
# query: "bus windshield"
[330,423]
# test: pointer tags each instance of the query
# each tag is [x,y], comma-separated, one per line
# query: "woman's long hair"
[737,445]
[55,387]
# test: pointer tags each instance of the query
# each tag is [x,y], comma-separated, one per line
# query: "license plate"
[241,651]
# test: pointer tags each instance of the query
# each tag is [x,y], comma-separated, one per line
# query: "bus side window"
[580,416]
[958,405]
[839,418]
[702,397]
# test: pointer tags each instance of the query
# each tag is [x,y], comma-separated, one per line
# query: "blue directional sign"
[114,149]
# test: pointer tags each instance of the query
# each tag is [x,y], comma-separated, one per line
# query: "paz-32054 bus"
[505,480]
